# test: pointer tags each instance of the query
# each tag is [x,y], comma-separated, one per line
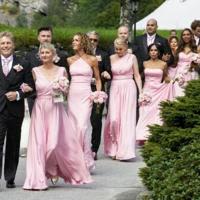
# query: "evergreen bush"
[172,153]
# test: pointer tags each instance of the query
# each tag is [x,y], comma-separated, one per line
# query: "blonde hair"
[120,41]
[49,46]
[7,34]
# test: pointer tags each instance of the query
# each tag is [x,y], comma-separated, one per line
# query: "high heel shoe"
[54,180]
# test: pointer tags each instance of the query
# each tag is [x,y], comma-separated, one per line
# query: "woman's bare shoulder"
[71,59]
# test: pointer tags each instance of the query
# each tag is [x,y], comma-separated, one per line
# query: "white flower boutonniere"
[56,59]
[18,68]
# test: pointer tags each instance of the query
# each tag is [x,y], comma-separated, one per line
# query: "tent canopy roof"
[174,14]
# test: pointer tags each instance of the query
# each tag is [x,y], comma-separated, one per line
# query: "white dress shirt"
[9,61]
[150,39]
[196,39]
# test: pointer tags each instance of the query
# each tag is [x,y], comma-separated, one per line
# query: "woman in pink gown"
[173,43]
[119,132]
[81,67]
[186,61]
[53,149]
[155,90]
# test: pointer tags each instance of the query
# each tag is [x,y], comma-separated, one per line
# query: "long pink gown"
[150,114]
[79,105]
[53,149]
[182,69]
[119,132]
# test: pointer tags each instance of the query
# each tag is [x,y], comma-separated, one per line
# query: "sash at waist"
[122,77]
[81,79]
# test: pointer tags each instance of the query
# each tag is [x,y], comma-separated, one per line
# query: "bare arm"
[166,78]
[33,74]
[96,74]
[137,74]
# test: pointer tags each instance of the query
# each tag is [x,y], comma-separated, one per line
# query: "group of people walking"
[139,76]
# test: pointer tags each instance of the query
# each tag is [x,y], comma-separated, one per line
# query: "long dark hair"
[182,44]
[157,47]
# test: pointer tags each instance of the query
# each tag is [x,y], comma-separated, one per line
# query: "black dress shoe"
[10,184]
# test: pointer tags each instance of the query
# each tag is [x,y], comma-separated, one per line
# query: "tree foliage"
[88,13]
[57,14]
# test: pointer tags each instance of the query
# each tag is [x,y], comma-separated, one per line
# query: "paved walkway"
[113,180]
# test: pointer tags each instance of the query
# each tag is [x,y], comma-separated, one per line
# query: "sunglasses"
[94,40]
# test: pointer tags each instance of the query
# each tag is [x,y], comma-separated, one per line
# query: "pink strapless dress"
[79,105]
[183,70]
[150,114]
[53,148]
[119,132]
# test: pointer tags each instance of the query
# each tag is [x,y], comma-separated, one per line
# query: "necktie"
[5,66]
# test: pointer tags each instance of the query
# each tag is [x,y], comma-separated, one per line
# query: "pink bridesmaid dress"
[172,72]
[158,91]
[53,149]
[79,105]
[183,69]
[119,132]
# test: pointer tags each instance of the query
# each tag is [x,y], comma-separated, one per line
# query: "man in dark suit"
[44,36]
[142,42]
[105,72]
[13,73]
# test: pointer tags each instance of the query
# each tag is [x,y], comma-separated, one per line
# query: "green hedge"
[26,37]
[172,153]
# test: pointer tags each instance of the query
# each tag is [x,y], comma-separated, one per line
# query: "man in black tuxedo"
[122,32]
[13,72]
[143,41]
[44,36]
[105,72]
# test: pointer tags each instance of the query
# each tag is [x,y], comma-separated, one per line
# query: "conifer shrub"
[172,153]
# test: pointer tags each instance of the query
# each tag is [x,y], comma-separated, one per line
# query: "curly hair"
[85,43]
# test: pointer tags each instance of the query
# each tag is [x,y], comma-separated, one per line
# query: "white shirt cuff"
[18,96]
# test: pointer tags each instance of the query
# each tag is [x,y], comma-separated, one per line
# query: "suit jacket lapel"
[157,39]
[2,75]
[145,43]
[12,72]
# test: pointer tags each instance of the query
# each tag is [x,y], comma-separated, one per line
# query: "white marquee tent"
[174,14]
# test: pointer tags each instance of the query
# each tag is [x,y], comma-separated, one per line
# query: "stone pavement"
[113,180]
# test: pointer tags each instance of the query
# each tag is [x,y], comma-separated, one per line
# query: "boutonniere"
[129,51]
[99,58]
[56,59]
[158,43]
[18,68]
